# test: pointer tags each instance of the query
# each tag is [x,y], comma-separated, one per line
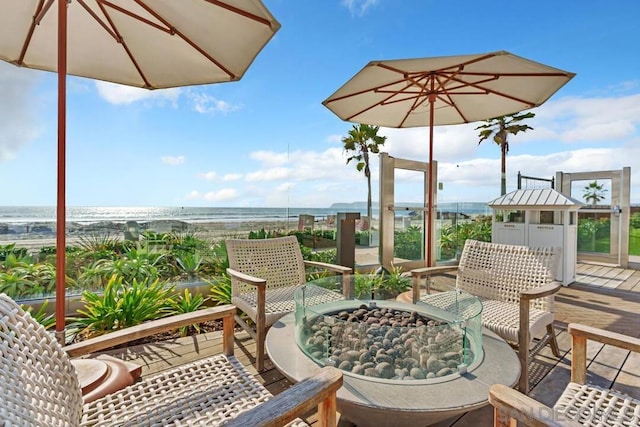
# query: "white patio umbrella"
[150,44]
[444,91]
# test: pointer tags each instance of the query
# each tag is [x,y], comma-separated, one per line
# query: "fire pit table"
[404,364]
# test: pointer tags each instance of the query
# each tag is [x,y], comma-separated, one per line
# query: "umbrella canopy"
[150,44]
[444,91]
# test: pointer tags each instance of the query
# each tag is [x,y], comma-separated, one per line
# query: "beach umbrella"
[444,90]
[150,44]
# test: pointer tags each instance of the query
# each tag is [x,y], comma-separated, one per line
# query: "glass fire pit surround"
[385,340]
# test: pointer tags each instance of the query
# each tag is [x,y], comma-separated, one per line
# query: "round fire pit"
[390,341]
[300,343]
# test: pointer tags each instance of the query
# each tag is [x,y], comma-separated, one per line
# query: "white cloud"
[223,195]
[358,7]
[335,139]
[270,158]
[232,177]
[121,94]
[18,124]
[286,186]
[173,160]
[206,104]
[272,174]
[209,176]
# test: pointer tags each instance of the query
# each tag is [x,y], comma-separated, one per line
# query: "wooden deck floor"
[604,297]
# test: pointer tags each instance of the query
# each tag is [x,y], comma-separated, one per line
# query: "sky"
[267,141]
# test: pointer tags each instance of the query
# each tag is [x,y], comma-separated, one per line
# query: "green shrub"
[187,303]
[220,289]
[122,305]
[48,321]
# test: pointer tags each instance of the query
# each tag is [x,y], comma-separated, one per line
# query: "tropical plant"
[594,193]
[15,284]
[220,289]
[408,243]
[10,249]
[358,144]
[190,264]
[500,128]
[41,316]
[187,303]
[122,305]
[394,283]
[367,285]
[100,246]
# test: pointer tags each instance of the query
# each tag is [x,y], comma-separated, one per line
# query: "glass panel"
[595,193]
[594,232]
[410,218]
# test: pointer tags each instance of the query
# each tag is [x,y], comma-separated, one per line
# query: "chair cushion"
[206,392]
[503,319]
[591,405]
[280,301]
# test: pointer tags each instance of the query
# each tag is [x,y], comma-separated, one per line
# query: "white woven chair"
[264,275]
[516,287]
[39,386]
[581,404]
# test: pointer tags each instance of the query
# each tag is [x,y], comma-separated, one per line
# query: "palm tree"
[360,141]
[593,193]
[500,128]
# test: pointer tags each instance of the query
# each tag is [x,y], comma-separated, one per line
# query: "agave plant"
[187,303]
[122,305]
[190,264]
[220,289]
[46,320]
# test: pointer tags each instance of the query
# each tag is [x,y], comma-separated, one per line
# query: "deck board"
[602,296]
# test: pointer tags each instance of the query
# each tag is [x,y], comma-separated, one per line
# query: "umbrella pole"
[432,100]
[61,200]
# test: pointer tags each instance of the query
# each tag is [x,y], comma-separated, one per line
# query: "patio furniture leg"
[553,341]
[523,347]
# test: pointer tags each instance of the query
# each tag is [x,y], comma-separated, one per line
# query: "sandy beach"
[37,235]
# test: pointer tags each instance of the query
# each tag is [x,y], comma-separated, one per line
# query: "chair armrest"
[428,271]
[579,336]
[541,291]
[251,280]
[606,337]
[331,267]
[111,339]
[319,390]
[418,273]
[510,404]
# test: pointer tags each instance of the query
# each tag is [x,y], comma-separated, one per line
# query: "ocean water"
[83,215]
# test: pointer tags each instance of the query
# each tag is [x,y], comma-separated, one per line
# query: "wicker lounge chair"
[39,386]
[581,404]
[516,287]
[264,275]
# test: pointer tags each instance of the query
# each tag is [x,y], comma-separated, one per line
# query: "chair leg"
[552,340]
[260,337]
[523,355]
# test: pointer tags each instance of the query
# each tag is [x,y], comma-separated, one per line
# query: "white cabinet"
[541,217]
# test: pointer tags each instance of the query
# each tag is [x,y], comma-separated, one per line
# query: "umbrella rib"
[449,100]
[41,10]
[167,29]
[241,12]
[113,31]
[495,92]
[190,42]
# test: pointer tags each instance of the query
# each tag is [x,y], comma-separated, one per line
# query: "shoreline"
[36,235]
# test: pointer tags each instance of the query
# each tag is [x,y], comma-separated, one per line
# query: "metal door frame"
[620,197]
[388,165]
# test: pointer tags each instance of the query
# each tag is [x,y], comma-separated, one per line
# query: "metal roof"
[545,197]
